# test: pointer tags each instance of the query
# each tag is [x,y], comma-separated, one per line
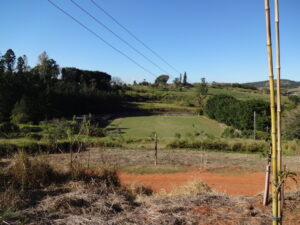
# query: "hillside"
[284,84]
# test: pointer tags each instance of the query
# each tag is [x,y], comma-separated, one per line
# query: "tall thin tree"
[9,59]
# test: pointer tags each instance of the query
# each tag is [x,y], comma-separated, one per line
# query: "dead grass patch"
[232,170]
[149,169]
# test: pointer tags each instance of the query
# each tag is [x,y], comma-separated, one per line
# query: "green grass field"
[165,126]
[166,107]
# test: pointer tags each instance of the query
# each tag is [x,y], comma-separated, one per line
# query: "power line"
[116,35]
[99,37]
[134,36]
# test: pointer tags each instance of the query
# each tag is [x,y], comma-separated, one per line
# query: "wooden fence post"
[155,149]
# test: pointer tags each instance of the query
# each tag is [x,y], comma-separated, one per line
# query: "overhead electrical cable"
[99,37]
[120,38]
[134,36]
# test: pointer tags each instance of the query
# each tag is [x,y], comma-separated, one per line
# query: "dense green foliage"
[294,99]
[161,80]
[238,114]
[221,145]
[292,124]
[32,95]
[201,93]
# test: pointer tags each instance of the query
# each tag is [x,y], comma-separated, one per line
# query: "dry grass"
[26,180]
[95,196]
[137,189]
[192,188]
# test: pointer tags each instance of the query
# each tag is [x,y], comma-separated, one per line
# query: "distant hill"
[284,84]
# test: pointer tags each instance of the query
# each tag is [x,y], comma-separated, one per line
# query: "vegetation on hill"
[239,114]
[32,95]
[284,84]
[40,94]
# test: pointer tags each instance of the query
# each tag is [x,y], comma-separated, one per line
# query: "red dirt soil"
[246,184]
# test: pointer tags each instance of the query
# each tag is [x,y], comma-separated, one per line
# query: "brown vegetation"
[33,192]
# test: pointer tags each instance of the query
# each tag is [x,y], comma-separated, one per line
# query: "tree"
[2,64]
[201,92]
[238,114]
[180,78]
[9,60]
[184,82]
[20,65]
[161,80]
[116,83]
[144,83]
[176,81]
[26,66]
[47,68]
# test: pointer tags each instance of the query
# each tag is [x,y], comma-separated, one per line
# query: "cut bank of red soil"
[247,184]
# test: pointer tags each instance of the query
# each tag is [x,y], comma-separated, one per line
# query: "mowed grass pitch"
[166,126]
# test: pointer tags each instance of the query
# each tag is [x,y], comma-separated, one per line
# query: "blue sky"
[221,40]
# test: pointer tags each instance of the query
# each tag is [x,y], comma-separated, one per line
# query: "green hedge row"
[221,145]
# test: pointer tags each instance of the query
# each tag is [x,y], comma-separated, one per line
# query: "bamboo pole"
[275,217]
[278,77]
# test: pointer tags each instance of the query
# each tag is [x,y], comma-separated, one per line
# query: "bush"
[95,131]
[29,129]
[30,172]
[292,124]
[34,136]
[260,135]
[230,132]
[7,129]
[291,147]
[7,149]
[222,145]
[177,135]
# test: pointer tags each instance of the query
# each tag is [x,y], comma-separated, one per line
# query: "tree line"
[47,91]
[239,114]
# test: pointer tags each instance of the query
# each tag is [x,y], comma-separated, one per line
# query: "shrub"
[236,146]
[7,129]
[221,145]
[95,131]
[292,124]
[139,189]
[29,129]
[193,188]
[291,147]
[261,135]
[30,172]
[34,136]
[7,149]
[177,135]
[230,132]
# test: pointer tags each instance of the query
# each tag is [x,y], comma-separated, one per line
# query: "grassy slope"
[166,126]
[185,100]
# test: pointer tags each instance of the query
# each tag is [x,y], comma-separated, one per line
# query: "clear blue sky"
[221,40]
